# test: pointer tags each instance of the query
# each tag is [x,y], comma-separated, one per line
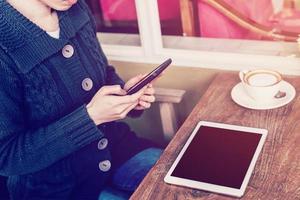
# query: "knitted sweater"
[43,117]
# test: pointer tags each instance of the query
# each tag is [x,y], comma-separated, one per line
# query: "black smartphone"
[150,77]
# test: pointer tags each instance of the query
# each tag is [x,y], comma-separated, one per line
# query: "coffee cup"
[262,85]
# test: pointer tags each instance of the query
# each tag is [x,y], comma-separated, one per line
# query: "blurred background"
[235,19]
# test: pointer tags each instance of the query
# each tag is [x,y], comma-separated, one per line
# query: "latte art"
[262,79]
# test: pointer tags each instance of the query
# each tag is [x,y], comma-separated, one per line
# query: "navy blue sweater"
[43,117]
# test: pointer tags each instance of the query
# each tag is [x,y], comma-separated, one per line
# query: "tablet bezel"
[213,187]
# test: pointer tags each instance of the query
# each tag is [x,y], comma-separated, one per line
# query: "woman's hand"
[147,98]
[111,103]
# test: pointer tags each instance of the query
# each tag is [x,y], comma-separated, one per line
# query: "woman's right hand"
[111,103]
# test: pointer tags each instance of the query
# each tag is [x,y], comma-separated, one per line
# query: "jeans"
[127,178]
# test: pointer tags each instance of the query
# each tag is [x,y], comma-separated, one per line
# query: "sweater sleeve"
[24,150]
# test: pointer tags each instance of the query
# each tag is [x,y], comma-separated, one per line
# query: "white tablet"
[218,158]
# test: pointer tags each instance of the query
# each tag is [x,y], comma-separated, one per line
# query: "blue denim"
[129,175]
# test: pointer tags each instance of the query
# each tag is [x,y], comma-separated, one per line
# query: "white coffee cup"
[262,85]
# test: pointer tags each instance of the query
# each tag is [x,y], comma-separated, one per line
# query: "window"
[117,21]
[239,33]
[235,26]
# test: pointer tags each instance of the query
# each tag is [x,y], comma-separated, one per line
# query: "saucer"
[239,96]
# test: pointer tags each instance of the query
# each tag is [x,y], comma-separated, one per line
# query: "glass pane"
[245,26]
[118,17]
[169,12]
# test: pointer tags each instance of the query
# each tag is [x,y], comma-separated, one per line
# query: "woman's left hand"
[147,98]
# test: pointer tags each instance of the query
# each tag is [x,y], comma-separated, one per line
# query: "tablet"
[218,158]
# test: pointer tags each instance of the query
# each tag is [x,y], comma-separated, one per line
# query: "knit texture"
[43,117]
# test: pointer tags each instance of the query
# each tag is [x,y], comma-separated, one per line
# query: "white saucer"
[239,96]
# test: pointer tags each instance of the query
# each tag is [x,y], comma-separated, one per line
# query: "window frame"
[153,51]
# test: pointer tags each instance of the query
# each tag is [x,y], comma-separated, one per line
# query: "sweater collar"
[27,44]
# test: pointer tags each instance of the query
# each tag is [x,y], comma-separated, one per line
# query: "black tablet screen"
[218,156]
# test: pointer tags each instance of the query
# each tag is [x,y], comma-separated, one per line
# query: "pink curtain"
[125,10]
[216,25]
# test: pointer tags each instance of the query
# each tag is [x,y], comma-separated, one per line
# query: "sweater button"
[102,144]
[68,51]
[87,84]
[105,165]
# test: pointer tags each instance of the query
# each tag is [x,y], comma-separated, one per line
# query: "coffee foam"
[262,79]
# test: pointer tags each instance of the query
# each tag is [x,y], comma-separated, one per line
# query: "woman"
[59,103]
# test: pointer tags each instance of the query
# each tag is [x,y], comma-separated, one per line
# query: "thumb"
[112,89]
[133,81]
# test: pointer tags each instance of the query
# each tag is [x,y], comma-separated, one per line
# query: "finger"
[119,109]
[149,91]
[144,75]
[147,98]
[126,99]
[112,90]
[145,104]
[129,109]
[133,81]
[131,98]
[141,91]
[126,110]
[139,107]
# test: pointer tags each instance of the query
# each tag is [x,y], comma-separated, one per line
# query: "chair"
[166,99]
[234,19]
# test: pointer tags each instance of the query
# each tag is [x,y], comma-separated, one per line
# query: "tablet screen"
[218,156]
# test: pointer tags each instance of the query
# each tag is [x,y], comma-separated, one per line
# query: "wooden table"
[277,171]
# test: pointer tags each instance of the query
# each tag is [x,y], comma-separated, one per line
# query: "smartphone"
[150,77]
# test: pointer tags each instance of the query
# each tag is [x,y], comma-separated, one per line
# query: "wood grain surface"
[277,171]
